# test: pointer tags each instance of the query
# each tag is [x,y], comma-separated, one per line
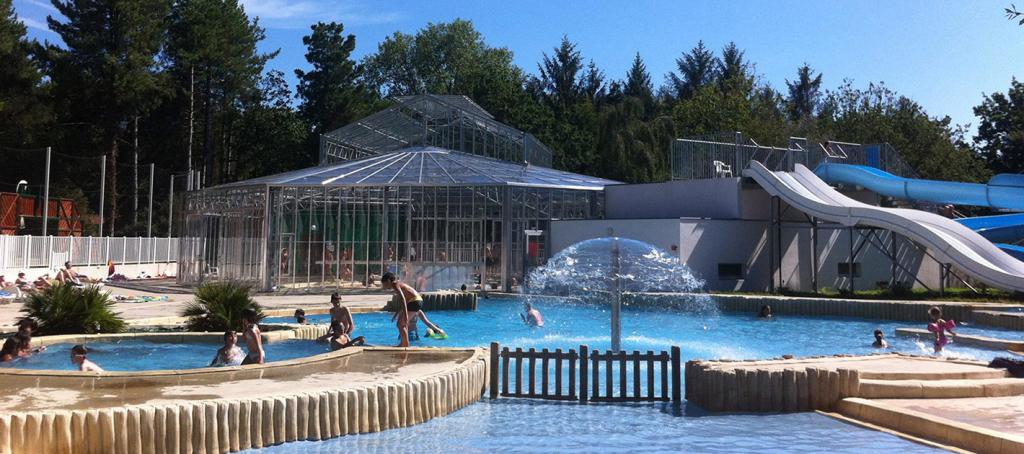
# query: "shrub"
[66,309]
[218,306]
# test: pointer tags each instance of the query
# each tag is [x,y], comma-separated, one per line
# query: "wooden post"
[663,359]
[494,370]
[572,373]
[622,375]
[544,371]
[595,386]
[676,378]
[650,375]
[533,371]
[504,371]
[558,371]
[608,374]
[636,375]
[519,372]
[583,373]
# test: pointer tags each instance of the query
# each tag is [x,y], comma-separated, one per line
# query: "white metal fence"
[27,251]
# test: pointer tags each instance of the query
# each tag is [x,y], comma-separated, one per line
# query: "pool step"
[939,389]
[931,427]
[944,375]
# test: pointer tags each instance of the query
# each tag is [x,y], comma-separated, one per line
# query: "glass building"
[431,188]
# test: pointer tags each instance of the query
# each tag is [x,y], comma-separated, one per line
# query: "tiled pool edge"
[224,425]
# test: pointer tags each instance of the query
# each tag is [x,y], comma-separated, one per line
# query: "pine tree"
[21,109]
[330,93]
[697,68]
[211,50]
[803,94]
[106,72]
[559,75]
[638,80]
[734,72]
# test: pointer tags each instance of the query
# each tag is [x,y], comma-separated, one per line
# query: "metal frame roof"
[429,166]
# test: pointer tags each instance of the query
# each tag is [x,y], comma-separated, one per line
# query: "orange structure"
[23,215]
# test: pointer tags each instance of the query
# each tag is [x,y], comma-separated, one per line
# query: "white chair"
[722,170]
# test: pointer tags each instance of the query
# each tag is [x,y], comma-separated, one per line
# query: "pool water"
[726,335]
[139,355]
[507,425]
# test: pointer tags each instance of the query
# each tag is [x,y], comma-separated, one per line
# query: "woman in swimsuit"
[409,298]
[940,327]
[229,354]
[253,338]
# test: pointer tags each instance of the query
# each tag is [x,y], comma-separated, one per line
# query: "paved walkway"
[9,313]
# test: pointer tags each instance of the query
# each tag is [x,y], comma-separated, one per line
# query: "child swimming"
[230,354]
[531,316]
[300,316]
[78,354]
[765,312]
[253,338]
[340,339]
[11,348]
[940,327]
[880,340]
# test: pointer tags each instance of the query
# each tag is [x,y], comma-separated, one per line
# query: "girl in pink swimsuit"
[940,327]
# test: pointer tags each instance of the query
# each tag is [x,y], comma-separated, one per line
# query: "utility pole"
[170,209]
[149,214]
[135,172]
[46,193]
[103,187]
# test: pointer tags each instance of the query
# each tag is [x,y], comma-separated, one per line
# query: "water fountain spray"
[616,296]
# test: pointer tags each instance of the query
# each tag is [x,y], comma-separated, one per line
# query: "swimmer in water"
[300,316]
[78,357]
[11,347]
[880,340]
[230,354]
[940,327]
[766,312]
[253,338]
[531,316]
[340,339]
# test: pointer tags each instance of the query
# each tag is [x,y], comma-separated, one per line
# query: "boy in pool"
[229,354]
[532,316]
[11,348]
[766,312]
[940,327]
[341,314]
[411,301]
[26,327]
[300,316]
[253,338]
[880,340]
[78,353]
[340,339]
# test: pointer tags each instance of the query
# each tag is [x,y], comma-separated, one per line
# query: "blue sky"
[944,54]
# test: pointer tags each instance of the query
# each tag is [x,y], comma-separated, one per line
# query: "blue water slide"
[1004,191]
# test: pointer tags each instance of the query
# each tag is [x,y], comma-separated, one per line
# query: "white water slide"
[949,241]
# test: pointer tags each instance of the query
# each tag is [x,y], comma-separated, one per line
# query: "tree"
[697,68]
[559,82]
[1013,14]
[631,149]
[212,52]
[106,72]
[21,108]
[330,94]
[447,58]
[272,137]
[876,114]
[638,80]
[734,71]
[1000,137]
[803,94]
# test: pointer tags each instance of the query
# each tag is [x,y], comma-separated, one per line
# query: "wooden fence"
[634,375]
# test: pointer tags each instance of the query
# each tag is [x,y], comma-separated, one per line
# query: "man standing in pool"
[411,301]
[253,338]
[341,314]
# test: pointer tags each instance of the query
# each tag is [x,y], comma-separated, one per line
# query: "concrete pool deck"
[211,410]
[957,403]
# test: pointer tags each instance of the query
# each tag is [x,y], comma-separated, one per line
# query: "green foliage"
[21,111]
[66,309]
[803,94]
[331,94]
[218,306]
[1000,136]
[697,68]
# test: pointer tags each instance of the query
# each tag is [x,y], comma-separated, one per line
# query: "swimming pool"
[140,355]
[543,427]
[717,336]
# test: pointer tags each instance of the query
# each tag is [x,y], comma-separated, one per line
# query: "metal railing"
[28,251]
[717,156]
